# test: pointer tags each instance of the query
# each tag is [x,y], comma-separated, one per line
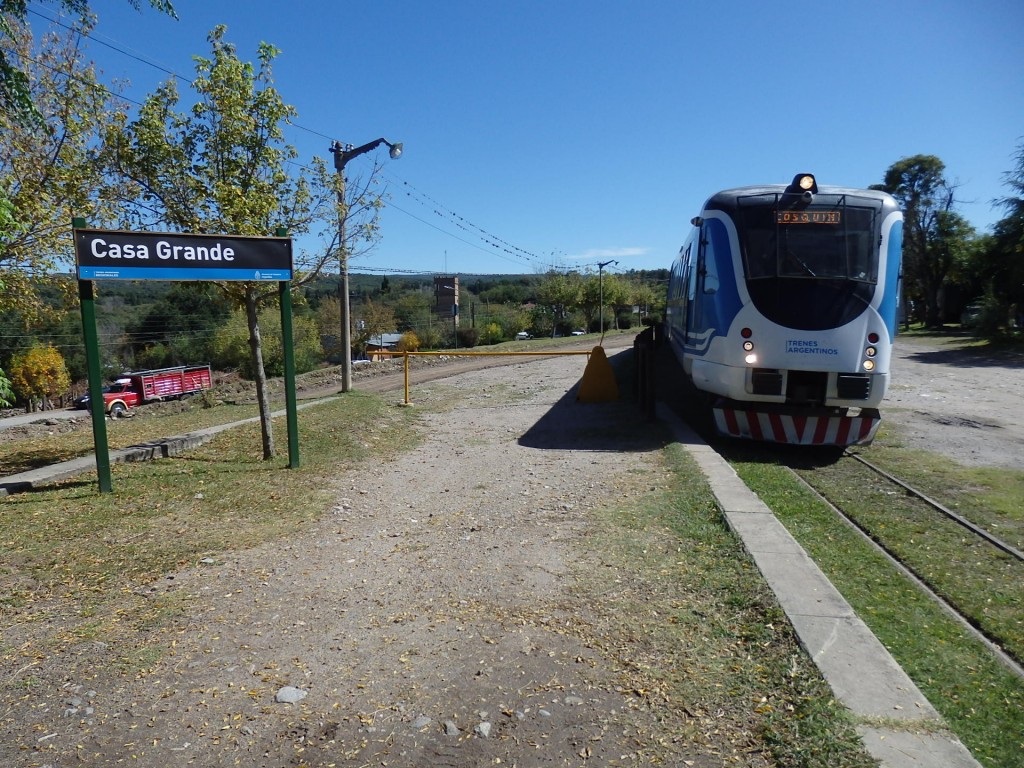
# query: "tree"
[230,344]
[6,392]
[223,167]
[180,324]
[412,312]
[560,295]
[1006,257]
[376,319]
[38,374]
[15,82]
[409,342]
[49,171]
[935,236]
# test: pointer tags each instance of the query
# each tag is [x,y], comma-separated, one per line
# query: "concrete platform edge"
[862,674]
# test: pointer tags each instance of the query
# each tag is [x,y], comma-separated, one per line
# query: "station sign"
[118,255]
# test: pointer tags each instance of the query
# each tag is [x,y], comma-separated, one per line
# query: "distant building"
[446,298]
[384,342]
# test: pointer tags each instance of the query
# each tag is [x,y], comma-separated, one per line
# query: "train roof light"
[802,184]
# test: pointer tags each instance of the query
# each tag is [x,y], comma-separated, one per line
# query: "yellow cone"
[598,384]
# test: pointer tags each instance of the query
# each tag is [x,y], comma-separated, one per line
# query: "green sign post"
[115,255]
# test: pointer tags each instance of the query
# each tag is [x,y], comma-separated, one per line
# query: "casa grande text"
[163,250]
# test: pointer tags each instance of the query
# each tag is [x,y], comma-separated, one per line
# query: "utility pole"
[342,154]
[600,285]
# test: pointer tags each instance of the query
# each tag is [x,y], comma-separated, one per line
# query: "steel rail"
[1007,659]
[979,531]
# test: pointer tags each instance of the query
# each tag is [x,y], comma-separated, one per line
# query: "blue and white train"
[782,307]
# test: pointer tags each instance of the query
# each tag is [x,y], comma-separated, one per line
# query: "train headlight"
[748,346]
[869,365]
[751,358]
[870,351]
[804,185]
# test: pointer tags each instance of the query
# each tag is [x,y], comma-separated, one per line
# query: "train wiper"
[792,256]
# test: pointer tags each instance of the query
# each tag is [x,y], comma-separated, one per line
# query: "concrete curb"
[858,668]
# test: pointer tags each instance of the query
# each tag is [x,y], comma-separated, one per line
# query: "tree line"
[154,324]
[947,266]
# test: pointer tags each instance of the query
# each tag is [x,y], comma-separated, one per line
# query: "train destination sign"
[115,255]
[808,217]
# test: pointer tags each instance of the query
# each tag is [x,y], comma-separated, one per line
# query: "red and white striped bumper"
[797,430]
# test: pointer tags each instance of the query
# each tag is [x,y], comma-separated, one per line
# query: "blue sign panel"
[114,255]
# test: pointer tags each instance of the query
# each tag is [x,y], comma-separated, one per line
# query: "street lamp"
[342,154]
[600,285]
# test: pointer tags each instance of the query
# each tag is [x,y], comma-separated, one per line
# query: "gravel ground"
[430,619]
[958,402]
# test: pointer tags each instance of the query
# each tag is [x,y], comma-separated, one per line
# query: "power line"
[494,242]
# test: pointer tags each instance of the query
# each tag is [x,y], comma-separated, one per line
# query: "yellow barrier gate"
[407,355]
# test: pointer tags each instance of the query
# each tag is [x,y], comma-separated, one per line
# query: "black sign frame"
[102,254]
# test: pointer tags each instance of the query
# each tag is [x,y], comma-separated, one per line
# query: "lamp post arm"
[342,155]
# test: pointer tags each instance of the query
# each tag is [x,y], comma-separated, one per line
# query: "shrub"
[409,342]
[39,374]
[468,337]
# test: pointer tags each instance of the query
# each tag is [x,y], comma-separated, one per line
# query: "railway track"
[957,563]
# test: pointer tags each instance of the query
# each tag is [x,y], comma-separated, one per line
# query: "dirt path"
[433,617]
[428,620]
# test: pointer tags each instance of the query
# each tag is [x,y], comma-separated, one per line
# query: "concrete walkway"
[905,730]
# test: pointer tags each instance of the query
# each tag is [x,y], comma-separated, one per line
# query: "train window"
[709,264]
[829,239]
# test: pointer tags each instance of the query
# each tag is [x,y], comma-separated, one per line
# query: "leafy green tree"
[38,375]
[1003,269]
[15,83]
[223,167]
[178,328]
[48,166]
[6,392]
[560,294]
[412,311]
[935,236]
[491,334]
[328,320]
[374,319]
[230,344]
[594,288]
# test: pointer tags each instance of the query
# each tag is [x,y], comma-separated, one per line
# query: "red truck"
[137,387]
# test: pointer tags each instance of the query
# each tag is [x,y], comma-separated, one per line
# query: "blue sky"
[577,132]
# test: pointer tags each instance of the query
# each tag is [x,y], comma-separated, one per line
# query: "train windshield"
[832,238]
[809,265]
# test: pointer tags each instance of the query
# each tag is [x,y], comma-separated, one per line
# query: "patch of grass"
[45,449]
[990,497]
[980,699]
[704,636]
[73,550]
[984,583]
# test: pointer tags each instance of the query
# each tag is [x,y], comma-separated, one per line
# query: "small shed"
[384,342]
